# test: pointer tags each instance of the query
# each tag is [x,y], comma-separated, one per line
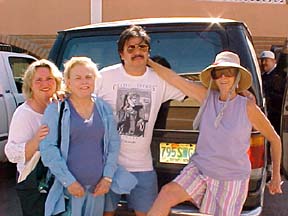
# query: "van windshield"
[185,51]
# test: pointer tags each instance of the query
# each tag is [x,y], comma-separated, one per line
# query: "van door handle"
[3,136]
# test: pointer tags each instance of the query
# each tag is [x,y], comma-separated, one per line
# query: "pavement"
[276,205]
[9,204]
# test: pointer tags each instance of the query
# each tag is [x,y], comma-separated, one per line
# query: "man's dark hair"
[133,31]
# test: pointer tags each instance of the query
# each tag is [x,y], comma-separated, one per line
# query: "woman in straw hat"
[216,179]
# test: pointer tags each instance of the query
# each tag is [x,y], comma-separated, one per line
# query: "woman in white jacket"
[41,81]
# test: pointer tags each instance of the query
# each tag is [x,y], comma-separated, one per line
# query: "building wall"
[42,17]
[33,24]
[263,19]
[268,23]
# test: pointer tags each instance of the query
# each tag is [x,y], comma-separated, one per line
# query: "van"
[189,45]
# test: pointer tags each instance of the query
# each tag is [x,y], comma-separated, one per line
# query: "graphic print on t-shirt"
[133,110]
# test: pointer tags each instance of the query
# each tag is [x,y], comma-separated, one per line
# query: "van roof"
[149,21]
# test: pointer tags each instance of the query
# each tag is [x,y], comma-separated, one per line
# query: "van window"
[101,49]
[185,51]
[19,66]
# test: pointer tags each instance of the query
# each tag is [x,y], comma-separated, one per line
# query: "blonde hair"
[30,72]
[78,61]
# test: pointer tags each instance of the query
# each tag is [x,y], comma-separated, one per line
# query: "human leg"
[143,195]
[224,198]
[76,205]
[170,195]
[109,213]
[32,201]
[111,202]
[189,185]
[94,206]
[137,213]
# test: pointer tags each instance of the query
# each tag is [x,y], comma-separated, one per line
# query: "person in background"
[85,162]
[133,77]
[217,176]
[41,81]
[274,81]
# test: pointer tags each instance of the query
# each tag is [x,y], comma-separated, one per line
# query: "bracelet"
[108,179]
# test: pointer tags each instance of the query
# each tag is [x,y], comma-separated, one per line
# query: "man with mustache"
[134,77]
[274,81]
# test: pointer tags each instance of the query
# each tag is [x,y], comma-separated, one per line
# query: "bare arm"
[261,123]
[191,89]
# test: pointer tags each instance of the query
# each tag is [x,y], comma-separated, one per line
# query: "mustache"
[136,56]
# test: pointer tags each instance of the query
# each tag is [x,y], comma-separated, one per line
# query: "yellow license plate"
[177,153]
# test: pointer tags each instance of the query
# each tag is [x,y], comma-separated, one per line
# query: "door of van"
[283,63]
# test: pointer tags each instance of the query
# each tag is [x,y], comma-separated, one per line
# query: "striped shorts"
[211,196]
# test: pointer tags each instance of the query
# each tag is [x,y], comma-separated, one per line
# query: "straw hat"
[227,59]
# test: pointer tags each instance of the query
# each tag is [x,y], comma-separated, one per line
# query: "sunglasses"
[227,72]
[142,47]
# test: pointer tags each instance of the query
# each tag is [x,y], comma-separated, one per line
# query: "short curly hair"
[30,72]
[81,60]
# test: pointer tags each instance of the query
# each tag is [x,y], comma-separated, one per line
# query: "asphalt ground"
[9,204]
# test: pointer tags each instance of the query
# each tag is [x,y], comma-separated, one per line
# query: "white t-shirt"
[135,101]
[24,125]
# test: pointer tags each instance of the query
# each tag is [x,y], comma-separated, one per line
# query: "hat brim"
[245,79]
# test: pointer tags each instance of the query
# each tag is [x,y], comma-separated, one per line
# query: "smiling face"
[135,54]
[225,83]
[81,81]
[43,84]
[224,78]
